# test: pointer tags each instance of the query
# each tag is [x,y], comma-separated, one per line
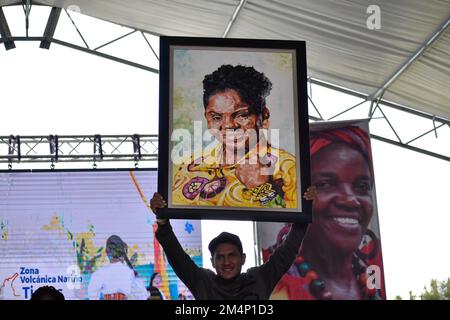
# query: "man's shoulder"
[206,274]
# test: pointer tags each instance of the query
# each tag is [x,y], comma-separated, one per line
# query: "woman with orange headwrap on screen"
[340,257]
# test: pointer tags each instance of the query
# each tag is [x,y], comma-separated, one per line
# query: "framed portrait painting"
[233,129]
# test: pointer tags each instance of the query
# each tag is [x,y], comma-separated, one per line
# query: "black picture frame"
[174,56]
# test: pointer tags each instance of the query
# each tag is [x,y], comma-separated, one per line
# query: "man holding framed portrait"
[228,282]
[238,168]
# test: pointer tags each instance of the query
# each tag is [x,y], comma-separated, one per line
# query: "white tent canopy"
[406,61]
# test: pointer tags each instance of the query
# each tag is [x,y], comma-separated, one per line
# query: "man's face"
[343,207]
[227,111]
[228,261]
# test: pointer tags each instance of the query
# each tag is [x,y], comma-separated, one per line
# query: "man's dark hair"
[225,237]
[252,86]
[47,293]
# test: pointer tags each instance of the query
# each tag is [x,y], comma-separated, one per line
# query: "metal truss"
[47,38]
[377,103]
[93,148]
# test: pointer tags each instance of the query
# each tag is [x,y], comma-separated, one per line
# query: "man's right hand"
[157,202]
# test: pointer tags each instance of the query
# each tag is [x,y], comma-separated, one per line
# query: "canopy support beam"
[233,18]
[49,32]
[76,47]
[26,5]
[440,30]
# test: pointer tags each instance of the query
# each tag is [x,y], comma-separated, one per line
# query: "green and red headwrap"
[353,136]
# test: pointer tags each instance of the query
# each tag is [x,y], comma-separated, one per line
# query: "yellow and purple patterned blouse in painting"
[207,183]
